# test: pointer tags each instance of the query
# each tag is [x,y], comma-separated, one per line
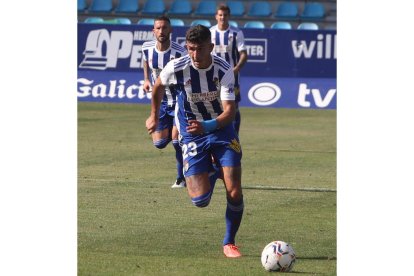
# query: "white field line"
[246,187]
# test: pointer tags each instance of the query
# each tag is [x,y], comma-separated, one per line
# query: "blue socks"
[179,158]
[234,213]
[234,210]
[162,143]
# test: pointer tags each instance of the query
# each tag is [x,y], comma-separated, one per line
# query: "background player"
[229,44]
[156,54]
[204,113]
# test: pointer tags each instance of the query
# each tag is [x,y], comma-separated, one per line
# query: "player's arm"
[242,61]
[242,51]
[147,82]
[227,100]
[228,115]
[225,118]
[229,109]
[158,91]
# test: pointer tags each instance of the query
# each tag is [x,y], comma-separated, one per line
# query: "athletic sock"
[234,213]
[179,158]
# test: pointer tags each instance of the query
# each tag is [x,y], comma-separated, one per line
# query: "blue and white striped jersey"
[199,91]
[157,60]
[228,44]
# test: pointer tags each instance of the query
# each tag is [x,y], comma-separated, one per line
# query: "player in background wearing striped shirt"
[204,114]
[229,44]
[156,54]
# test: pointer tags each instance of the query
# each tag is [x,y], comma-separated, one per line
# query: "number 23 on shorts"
[189,149]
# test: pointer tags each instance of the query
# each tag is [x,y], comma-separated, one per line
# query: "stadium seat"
[127,6]
[82,5]
[206,8]
[146,21]
[233,23]
[100,6]
[254,25]
[287,10]
[110,21]
[313,11]
[308,26]
[203,22]
[281,25]
[176,22]
[94,20]
[260,9]
[123,20]
[180,7]
[153,7]
[236,8]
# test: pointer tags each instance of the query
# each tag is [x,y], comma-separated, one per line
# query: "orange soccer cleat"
[231,251]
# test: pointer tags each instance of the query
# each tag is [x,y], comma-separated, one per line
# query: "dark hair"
[223,7]
[163,18]
[198,34]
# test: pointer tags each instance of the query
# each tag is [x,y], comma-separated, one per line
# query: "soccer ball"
[278,256]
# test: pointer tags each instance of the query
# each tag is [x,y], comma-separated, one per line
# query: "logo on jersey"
[202,97]
[216,83]
[264,94]
[235,145]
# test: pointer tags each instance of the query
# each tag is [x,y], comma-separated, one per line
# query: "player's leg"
[228,157]
[162,135]
[237,120]
[235,205]
[161,138]
[199,189]
[180,181]
[197,167]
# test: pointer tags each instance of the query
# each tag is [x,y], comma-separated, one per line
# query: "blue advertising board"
[285,68]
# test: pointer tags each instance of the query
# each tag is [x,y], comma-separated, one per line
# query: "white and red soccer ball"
[278,256]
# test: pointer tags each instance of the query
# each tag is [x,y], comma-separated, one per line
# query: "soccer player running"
[204,113]
[229,44]
[156,54]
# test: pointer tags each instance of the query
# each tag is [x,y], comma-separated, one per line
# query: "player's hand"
[151,124]
[147,86]
[195,127]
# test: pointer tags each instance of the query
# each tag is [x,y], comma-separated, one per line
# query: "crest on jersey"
[188,82]
[217,83]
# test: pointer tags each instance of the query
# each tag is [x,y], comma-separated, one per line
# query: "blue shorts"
[222,144]
[166,119]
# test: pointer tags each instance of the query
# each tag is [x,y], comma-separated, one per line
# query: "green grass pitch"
[130,222]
